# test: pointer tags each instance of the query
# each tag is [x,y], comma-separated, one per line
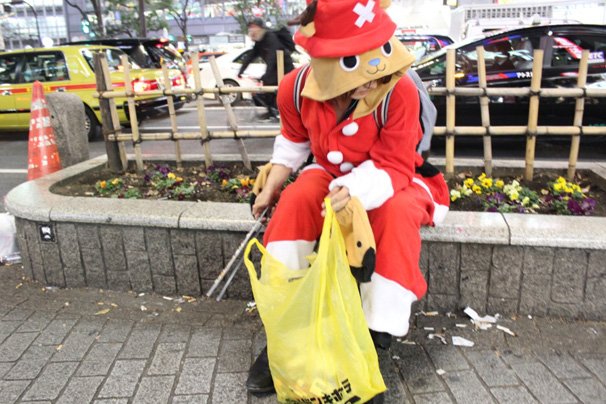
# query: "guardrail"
[113,133]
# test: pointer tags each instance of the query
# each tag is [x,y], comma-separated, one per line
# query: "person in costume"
[357,112]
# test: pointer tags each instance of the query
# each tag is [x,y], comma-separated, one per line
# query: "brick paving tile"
[50,352]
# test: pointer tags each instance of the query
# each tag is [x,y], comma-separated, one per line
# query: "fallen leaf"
[113,305]
[143,308]
[18,285]
[59,347]
[100,312]
[178,309]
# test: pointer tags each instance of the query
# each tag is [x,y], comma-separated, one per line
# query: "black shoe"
[381,339]
[378,399]
[259,376]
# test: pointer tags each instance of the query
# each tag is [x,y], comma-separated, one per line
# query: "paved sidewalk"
[87,345]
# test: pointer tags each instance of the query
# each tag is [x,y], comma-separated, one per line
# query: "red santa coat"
[378,166]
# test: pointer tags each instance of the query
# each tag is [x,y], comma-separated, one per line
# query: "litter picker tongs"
[254,232]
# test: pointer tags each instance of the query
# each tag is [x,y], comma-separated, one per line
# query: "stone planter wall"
[505,263]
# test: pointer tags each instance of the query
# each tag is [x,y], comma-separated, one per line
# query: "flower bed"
[549,193]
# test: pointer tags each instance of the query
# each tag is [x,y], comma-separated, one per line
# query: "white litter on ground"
[506,330]
[476,317]
[440,371]
[460,341]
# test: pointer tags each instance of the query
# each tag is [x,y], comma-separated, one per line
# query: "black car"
[148,53]
[423,45]
[509,58]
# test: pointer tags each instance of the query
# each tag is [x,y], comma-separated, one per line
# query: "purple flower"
[584,207]
[147,178]
[164,170]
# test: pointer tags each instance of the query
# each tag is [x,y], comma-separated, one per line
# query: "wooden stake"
[280,64]
[231,117]
[578,117]
[168,87]
[533,113]
[132,113]
[201,110]
[484,111]
[450,112]
[109,116]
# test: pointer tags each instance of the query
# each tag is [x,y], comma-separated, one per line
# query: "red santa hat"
[346,27]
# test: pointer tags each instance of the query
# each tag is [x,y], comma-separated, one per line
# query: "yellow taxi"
[71,69]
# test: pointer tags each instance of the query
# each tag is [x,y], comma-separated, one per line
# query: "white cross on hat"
[365,13]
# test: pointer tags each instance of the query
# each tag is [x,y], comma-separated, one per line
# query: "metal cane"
[255,230]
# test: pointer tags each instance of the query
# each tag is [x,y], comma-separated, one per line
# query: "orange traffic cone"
[43,155]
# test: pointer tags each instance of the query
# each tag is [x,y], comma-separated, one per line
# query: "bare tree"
[97,27]
[179,10]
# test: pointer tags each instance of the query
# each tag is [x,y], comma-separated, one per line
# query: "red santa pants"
[397,282]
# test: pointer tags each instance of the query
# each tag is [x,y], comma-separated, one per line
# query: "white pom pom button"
[345,167]
[350,129]
[335,157]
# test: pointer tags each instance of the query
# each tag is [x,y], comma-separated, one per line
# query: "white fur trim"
[313,166]
[346,167]
[386,305]
[439,211]
[289,153]
[335,157]
[350,129]
[371,185]
[292,253]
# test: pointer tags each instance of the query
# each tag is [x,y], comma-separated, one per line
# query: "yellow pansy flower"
[468,182]
[499,184]
[477,189]
[487,182]
[171,176]
[103,184]
[514,195]
[115,181]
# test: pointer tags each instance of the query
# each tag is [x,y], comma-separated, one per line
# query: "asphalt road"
[13,147]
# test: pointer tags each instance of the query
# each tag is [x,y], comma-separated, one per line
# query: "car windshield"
[501,53]
[162,52]
[422,46]
[113,58]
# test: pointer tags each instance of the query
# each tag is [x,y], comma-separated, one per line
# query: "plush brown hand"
[359,239]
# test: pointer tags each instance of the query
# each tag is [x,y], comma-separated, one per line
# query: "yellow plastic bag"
[318,343]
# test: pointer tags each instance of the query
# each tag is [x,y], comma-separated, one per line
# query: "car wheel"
[232,98]
[91,123]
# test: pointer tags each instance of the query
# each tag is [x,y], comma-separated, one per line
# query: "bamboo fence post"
[208,160]
[280,64]
[450,112]
[231,116]
[168,88]
[533,113]
[132,112]
[485,112]
[110,123]
[578,117]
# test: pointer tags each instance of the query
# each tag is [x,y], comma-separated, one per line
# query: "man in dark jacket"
[266,45]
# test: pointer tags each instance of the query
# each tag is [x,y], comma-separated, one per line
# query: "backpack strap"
[299,84]
[380,113]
